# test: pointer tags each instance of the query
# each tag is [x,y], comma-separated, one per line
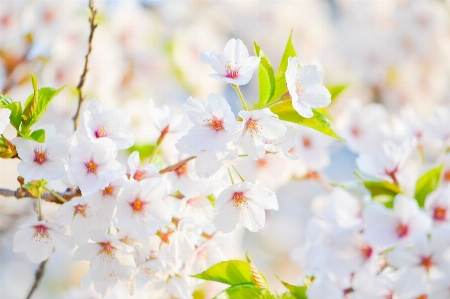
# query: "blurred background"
[393,53]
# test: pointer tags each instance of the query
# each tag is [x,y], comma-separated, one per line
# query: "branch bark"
[92,21]
[37,278]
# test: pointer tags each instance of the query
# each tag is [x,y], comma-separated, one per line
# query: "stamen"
[91,166]
[137,205]
[402,230]
[81,209]
[215,124]
[252,126]
[239,200]
[439,213]
[140,174]
[182,170]
[108,191]
[101,131]
[40,156]
[231,71]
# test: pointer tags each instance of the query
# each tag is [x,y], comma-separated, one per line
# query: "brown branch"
[92,20]
[37,278]
[175,166]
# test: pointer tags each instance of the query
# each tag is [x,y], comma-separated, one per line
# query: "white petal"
[227,218]
[253,217]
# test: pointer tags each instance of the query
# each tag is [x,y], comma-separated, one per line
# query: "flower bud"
[7,149]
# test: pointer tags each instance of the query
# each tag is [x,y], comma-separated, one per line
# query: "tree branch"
[175,166]
[92,21]
[37,278]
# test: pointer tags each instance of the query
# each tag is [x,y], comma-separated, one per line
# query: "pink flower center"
[307,142]
[140,174]
[137,205]
[447,176]
[81,209]
[41,231]
[239,200]
[366,251]
[215,124]
[426,262]
[101,132]
[91,167]
[252,126]
[439,213]
[355,131]
[231,71]
[182,170]
[40,156]
[107,248]
[108,191]
[402,230]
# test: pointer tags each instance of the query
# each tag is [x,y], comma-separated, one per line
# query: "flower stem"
[55,194]
[240,176]
[159,141]
[244,104]
[231,177]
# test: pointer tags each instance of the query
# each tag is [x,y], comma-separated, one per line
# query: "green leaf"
[46,95]
[5,100]
[38,135]
[319,121]
[298,292]
[427,183]
[16,114]
[28,186]
[229,272]
[336,90]
[266,77]
[280,79]
[244,291]
[30,107]
[145,150]
[385,199]
[382,188]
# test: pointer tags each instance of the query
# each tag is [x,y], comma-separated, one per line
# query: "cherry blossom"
[38,238]
[243,203]
[437,205]
[141,209]
[234,65]
[101,123]
[138,172]
[42,160]
[305,89]
[259,126]
[92,166]
[166,119]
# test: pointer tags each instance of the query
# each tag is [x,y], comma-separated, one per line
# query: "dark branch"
[93,24]
[37,277]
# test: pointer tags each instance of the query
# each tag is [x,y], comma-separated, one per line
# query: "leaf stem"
[55,195]
[240,176]
[244,104]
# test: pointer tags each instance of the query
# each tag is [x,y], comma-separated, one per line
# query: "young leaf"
[244,291]
[377,188]
[298,292]
[319,122]
[16,114]
[229,272]
[266,77]
[30,107]
[336,90]
[427,183]
[38,135]
[258,278]
[5,100]
[280,79]
[45,96]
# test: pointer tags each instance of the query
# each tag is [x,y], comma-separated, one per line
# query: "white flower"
[92,166]
[100,123]
[165,118]
[4,118]
[282,145]
[37,239]
[214,125]
[403,223]
[138,172]
[42,160]
[185,180]
[78,213]
[141,209]
[258,126]
[234,64]
[305,88]
[324,288]
[243,203]
[437,204]
[109,260]
[103,202]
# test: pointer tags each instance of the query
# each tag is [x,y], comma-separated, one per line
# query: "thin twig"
[37,277]
[92,21]
[175,166]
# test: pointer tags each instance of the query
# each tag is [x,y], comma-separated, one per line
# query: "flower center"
[108,191]
[447,176]
[40,156]
[140,174]
[355,131]
[41,232]
[101,131]
[239,200]
[137,205]
[91,167]
[307,142]
[392,174]
[252,126]
[182,170]
[298,87]
[231,71]
[81,209]
[107,248]
[366,251]
[426,262]
[439,213]
[215,124]
[402,230]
